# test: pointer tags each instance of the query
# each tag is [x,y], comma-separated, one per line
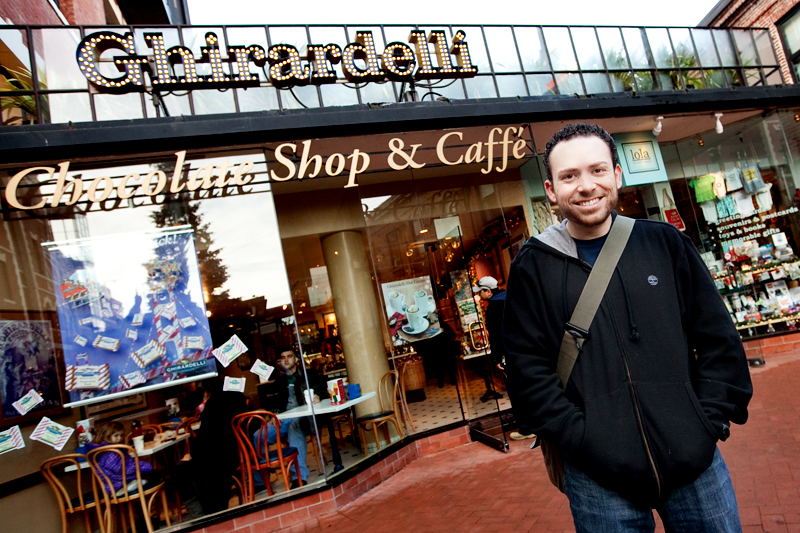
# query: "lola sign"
[288,66]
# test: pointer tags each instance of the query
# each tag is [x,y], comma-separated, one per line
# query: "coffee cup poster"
[411,309]
[131,311]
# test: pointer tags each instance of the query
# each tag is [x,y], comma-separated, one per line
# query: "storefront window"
[139,285]
[740,188]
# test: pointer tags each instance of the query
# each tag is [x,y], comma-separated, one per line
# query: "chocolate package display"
[133,308]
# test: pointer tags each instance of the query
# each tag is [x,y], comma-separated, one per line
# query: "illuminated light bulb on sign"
[399,61]
[461,51]
[93,46]
[211,54]
[426,69]
[364,49]
[320,56]
[439,40]
[286,67]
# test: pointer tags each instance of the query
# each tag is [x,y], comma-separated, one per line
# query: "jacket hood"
[558,238]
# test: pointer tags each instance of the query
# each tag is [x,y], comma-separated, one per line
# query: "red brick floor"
[476,488]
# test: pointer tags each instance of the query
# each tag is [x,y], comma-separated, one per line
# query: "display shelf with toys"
[760,286]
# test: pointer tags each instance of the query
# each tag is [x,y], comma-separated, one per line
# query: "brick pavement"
[476,488]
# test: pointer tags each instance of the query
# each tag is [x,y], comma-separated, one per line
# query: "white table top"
[149,449]
[324,407]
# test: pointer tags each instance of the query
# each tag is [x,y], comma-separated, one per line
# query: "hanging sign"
[640,158]
[146,282]
[287,66]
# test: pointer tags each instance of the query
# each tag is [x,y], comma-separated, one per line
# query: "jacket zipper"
[639,414]
[635,400]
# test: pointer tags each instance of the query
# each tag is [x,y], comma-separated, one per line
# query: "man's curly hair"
[580,129]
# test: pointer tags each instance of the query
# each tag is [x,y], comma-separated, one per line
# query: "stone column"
[357,312]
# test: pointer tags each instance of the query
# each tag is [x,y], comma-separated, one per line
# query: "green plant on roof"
[20,80]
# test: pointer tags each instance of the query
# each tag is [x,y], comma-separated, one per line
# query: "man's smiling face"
[584,185]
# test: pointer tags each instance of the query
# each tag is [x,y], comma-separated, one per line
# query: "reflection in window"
[747,51]
[502,49]
[59,70]
[168,105]
[480,87]
[587,49]
[705,48]
[375,93]
[452,89]
[559,46]
[257,99]
[725,47]
[68,107]
[531,48]
[637,49]
[336,94]
[661,47]
[764,44]
[613,48]
[540,84]
[511,86]
[300,97]
[211,102]
[595,83]
[118,106]
[569,83]
[684,49]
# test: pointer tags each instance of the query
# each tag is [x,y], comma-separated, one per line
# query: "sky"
[530,12]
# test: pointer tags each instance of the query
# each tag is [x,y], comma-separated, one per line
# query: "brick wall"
[29,12]
[317,510]
[771,346]
[83,11]
[759,14]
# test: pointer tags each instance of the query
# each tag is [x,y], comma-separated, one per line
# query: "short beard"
[610,202]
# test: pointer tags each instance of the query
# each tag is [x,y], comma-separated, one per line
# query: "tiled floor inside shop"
[440,407]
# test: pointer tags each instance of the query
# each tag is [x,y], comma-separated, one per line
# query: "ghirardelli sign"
[316,64]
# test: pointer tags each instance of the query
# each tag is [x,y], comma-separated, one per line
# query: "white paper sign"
[11,439]
[52,433]
[233,384]
[262,369]
[229,351]
[27,402]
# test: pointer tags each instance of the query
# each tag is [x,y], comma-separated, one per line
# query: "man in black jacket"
[289,387]
[662,373]
[495,298]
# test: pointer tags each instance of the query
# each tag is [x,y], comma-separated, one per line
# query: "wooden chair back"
[103,484]
[387,391]
[149,432]
[252,430]
[69,490]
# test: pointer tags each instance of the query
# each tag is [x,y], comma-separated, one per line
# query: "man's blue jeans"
[707,505]
[293,433]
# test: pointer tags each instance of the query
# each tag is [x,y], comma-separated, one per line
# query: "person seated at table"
[215,454]
[288,390]
[110,463]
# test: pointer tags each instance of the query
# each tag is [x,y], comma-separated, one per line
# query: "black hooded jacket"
[662,372]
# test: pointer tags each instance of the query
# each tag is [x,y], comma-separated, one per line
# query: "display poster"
[131,312]
[468,314]
[411,309]
[27,362]
[640,158]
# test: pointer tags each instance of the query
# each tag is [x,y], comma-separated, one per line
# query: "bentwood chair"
[130,492]
[387,395]
[148,432]
[406,412]
[257,455]
[70,489]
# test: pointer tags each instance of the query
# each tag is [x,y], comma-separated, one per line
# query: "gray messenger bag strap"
[577,329]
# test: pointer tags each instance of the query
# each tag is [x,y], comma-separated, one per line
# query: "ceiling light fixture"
[657,128]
